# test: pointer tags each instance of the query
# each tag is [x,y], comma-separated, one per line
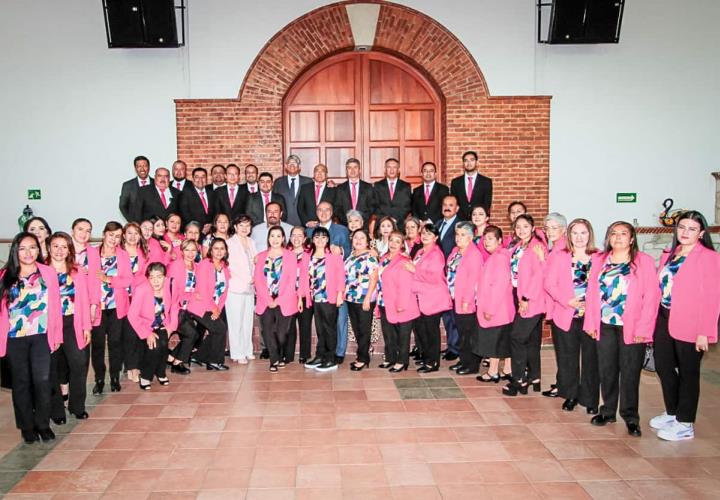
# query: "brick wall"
[512,134]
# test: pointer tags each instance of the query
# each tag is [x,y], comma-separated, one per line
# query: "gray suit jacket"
[129,206]
[281,186]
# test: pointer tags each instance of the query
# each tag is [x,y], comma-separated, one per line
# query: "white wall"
[74,114]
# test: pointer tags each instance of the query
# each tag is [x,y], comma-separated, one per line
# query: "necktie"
[353,194]
[163,198]
[469,189]
[317,193]
[292,186]
[232,196]
[204,201]
[442,229]
[392,190]
[267,198]
[177,185]
[143,182]
[427,193]
[252,189]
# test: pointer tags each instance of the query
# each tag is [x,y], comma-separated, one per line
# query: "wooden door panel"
[389,84]
[384,125]
[335,159]
[305,126]
[332,85]
[308,156]
[419,125]
[377,160]
[340,126]
[413,158]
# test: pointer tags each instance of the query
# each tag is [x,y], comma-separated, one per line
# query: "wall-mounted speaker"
[143,23]
[583,21]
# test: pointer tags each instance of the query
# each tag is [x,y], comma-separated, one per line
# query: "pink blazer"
[137,278]
[55,322]
[530,280]
[467,279]
[174,253]
[288,297]
[495,295]
[142,310]
[334,273]
[156,252]
[695,295]
[401,305]
[202,301]
[643,298]
[559,287]
[81,314]
[177,276]
[429,282]
[481,247]
[118,283]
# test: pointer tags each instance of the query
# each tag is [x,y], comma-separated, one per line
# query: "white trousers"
[239,309]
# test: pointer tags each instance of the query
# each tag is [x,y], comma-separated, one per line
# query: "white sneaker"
[677,431]
[661,421]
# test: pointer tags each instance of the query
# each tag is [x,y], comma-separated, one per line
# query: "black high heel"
[569,404]
[514,389]
[115,385]
[143,386]
[385,364]
[536,386]
[491,379]
[356,368]
[164,381]
[429,368]
[98,387]
[398,370]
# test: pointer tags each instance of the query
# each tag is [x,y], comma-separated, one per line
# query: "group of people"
[201,260]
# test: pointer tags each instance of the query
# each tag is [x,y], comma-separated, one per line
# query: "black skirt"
[493,342]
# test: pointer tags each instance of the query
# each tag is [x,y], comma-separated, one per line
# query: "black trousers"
[325,316]
[534,347]
[274,328]
[467,326]
[212,346]
[427,330]
[620,365]
[29,360]
[397,340]
[133,346]
[361,322]
[110,329]
[678,365]
[523,348]
[153,361]
[76,360]
[301,323]
[577,372]
[188,332]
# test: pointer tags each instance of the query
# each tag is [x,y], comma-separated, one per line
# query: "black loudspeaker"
[585,21]
[140,23]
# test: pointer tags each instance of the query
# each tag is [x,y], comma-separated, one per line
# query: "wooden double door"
[365,105]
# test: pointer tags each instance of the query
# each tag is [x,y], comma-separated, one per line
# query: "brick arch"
[511,133]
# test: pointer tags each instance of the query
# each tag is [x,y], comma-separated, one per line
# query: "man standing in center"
[258,202]
[393,194]
[471,189]
[231,199]
[355,194]
[427,198]
[312,194]
[198,202]
[288,186]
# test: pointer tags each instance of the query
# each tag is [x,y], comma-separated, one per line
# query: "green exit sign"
[626,198]
[34,194]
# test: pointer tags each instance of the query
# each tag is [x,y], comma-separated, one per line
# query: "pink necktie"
[353,194]
[252,189]
[427,193]
[267,198]
[177,185]
[392,190]
[143,182]
[469,189]
[232,196]
[317,193]
[204,201]
[162,197]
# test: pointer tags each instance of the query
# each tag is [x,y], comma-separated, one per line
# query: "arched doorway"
[367,105]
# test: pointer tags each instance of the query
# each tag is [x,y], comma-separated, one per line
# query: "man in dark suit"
[355,194]
[129,206]
[198,203]
[446,226]
[179,173]
[258,201]
[231,199]
[471,189]
[427,197]
[217,176]
[251,179]
[158,199]
[312,194]
[288,186]
[393,194]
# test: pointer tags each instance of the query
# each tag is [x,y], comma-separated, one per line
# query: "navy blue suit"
[339,236]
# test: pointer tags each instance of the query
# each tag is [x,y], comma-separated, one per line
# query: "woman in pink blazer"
[277,298]
[81,232]
[31,328]
[480,217]
[495,306]
[398,305]
[621,306]
[206,305]
[526,274]
[566,279]
[173,237]
[464,268]
[73,353]
[430,286]
[157,247]
[108,275]
[687,321]
[323,283]
[153,316]
[182,276]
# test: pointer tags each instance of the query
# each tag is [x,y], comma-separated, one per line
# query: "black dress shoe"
[466,371]
[569,404]
[592,410]
[513,389]
[398,370]
[30,437]
[384,364]
[115,385]
[60,421]
[357,367]
[601,420]
[414,351]
[428,368]
[264,354]
[455,367]
[634,430]
[550,393]
[339,360]
[98,387]
[81,416]
[180,369]
[450,356]
[314,362]
[46,435]
[217,366]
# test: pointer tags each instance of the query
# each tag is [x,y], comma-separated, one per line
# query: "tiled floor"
[300,434]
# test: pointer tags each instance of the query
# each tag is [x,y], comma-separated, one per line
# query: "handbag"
[649,361]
